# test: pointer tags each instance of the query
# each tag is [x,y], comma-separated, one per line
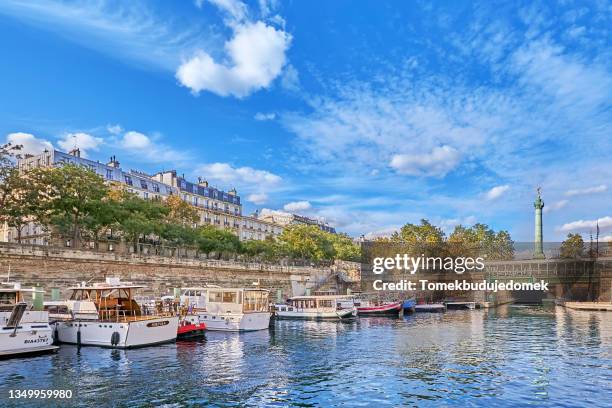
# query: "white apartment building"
[215,207]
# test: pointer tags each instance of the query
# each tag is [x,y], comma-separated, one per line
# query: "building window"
[143,184]
[128,180]
[109,174]
[156,188]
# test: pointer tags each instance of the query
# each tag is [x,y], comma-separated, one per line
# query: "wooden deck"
[594,306]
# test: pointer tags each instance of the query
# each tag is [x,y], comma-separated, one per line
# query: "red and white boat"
[374,308]
[190,327]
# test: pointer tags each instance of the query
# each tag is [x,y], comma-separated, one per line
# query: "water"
[503,357]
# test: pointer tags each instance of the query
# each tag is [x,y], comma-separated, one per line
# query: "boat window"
[230,297]
[325,303]
[215,297]
[57,309]
[8,298]
[255,301]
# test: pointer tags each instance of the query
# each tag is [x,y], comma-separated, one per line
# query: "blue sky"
[370,114]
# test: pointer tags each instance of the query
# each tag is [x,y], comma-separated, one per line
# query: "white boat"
[315,308]
[22,331]
[106,315]
[228,309]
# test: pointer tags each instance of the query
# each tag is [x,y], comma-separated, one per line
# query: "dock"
[591,306]
[460,305]
[430,307]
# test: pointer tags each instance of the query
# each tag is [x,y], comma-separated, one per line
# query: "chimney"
[232,192]
[202,182]
[76,152]
[113,162]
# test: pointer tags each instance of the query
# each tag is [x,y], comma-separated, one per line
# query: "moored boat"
[106,315]
[189,329]
[22,331]
[380,308]
[315,308]
[409,305]
[228,309]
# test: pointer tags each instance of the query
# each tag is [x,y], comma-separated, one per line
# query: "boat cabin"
[299,303]
[226,300]
[108,301]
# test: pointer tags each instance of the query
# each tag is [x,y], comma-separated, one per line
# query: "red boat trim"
[383,308]
[188,328]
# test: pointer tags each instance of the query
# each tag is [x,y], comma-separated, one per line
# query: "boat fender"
[55,335]
[79,338]
[115,337]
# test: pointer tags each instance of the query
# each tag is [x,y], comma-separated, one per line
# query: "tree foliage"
[572,247]
[480,240]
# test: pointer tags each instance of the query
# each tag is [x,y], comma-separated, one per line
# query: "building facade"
[284,219]
[215,207]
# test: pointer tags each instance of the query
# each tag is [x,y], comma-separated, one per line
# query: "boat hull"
[29,338]
[118,334]
[235,322]
[409,305]
[315,315]
[389,309]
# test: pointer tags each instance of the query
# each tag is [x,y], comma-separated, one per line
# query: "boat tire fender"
[115,337]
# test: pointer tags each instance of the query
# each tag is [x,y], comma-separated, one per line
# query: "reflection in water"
[507,357]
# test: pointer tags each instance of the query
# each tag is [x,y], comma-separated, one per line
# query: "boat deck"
[430,307]
[595,306]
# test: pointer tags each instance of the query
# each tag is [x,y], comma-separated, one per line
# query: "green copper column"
[538,252]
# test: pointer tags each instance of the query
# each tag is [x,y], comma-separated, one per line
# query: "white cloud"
[265,116]
[258,198]
[605,223]
[30,144]
[297,206]
[290,79]
[235,9]
[127,30]
[555,206]
[114,129]
[225,173]
[590,190]
[256,55]
[381,233]
[83,141]
[496,192]
[142,146]
[267,6]
[607,238]
[438,162]
[448,224]
[257,183]
[135,140]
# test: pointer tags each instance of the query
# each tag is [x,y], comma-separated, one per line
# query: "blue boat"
[409,305]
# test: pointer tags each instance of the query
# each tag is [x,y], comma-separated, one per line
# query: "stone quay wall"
[53,267]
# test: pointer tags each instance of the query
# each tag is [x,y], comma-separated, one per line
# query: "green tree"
[66,196]
[267,250]
[345,248]
[307,242]
[7,166]
[221,242]
[139,219]
[480,240]
[572,247]
[180,212]
[424,238]
[17,209]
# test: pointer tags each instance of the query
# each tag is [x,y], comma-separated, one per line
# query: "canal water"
[504,357]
